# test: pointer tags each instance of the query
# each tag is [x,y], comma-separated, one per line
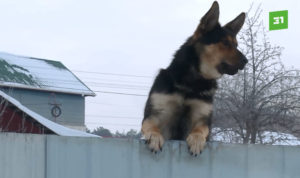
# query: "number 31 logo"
[278,20]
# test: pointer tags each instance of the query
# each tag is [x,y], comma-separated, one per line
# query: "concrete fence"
[41,156]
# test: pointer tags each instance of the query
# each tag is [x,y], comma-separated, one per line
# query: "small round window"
[56,111]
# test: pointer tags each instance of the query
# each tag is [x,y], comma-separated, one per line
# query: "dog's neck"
[185,71]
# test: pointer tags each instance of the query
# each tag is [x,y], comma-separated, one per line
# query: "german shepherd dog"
[179,106]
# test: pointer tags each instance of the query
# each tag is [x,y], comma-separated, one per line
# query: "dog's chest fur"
[180,95]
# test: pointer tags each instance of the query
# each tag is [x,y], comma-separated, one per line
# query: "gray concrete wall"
[72,106]
[33,156]
[22,156]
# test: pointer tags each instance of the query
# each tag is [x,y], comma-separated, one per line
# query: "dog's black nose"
[243,61]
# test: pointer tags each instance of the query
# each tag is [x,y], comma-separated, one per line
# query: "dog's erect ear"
[236,25]
[208,21]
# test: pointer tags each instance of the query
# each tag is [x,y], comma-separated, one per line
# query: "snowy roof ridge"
[56,128]
[39,74]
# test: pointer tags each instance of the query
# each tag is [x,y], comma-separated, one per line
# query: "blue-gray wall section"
[72,106]
[34,156]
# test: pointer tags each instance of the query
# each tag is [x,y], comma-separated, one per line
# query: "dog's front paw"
[155,141]
[196,143]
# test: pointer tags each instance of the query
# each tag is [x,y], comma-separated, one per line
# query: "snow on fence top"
[39,74]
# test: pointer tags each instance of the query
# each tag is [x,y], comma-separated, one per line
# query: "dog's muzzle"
[243,61]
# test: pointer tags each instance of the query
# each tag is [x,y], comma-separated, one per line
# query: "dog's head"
[216,46]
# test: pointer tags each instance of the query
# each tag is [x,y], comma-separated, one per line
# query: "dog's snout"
[243,61]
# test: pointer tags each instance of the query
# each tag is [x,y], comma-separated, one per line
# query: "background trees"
[101,131]
[264,97]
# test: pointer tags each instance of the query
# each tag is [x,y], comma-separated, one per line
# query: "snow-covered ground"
[274,138]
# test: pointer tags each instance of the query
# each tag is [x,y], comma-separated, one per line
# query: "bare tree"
[264,97]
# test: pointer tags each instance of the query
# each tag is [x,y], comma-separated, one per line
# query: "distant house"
[15,117]
[45,87]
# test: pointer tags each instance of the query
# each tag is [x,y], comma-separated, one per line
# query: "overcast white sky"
[130,37]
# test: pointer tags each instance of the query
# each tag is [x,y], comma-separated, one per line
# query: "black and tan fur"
[180,101]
